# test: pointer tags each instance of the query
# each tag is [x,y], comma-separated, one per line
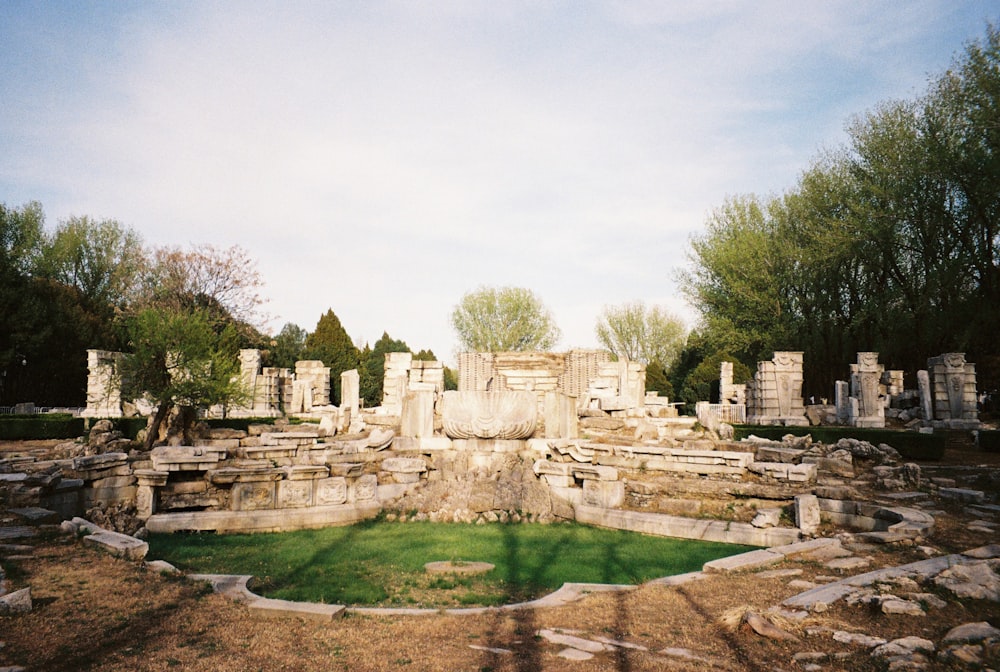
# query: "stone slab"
[118,545]
[286,609]
[271,520]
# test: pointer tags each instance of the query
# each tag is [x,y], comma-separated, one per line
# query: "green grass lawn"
[380,563]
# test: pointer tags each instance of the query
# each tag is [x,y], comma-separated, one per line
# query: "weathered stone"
[17,602]
[807,513]
[118,545]
[975,581]
[904,646]
[903,607]
[767,518]
[555,637]
[971,632]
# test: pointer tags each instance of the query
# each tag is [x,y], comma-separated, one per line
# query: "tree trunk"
[153,431]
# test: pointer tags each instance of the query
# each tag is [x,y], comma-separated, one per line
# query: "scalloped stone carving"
[497,414]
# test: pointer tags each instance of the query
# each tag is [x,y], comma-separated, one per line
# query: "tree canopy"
[641,333]
[890,243]
[504,319]
[330,344]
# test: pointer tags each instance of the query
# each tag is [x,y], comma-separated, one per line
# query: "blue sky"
[384,158]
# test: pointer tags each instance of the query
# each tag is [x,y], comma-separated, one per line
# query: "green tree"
[640,333]
[182,358]
[102,259]
[503,319]
[288,346]
[330,344]
[372,371]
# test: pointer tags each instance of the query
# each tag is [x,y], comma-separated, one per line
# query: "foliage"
[503,319]
[640,333]
[371,375]
[330,344]
[21,236]
[382,563]
[47,426]
[288,346]
[657,381]
[180,358]
[450,379]
[889,244]
[102,259]
[225,282]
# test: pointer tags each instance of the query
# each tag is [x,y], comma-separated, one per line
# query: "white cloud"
[382,159]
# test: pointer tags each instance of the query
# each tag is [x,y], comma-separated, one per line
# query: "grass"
[381,564]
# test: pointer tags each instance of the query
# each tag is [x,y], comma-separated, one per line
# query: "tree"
[504,319]
[330,344]
[372,369]
[641,334]
[101,259]
[180,358]
[225,278]
[288,346]
[890,243]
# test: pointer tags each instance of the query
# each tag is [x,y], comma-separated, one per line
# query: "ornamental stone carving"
[496,414]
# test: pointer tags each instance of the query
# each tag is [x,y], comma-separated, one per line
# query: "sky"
[383,159]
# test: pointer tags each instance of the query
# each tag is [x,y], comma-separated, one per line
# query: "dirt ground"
[94,612]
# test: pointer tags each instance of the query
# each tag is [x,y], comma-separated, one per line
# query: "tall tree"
[504,319]
[102,259]
[640,333]
[330,343]
[372,370]
[288,346]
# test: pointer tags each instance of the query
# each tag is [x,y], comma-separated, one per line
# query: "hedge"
[130,427]
[44,426]
[911,445]
[989,440]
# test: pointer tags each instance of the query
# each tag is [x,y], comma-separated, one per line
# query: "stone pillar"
[866,376]
[417,419]
[926,395]
[807,513]
[397,372]
[953,387]
[842,399]
[774,397]
[561,420]
[104,397]
[350,392]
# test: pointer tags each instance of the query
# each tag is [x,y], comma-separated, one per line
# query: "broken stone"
[976,581]
[765,628]
[971,632]
[18,602]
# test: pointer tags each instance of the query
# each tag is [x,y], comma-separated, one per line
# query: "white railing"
[731,414]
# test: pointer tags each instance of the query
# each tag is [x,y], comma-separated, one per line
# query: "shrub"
[989,440]
[46,426]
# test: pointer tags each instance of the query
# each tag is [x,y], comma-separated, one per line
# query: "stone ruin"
[946,397]
[948,392]
[536,436]
[774,396]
